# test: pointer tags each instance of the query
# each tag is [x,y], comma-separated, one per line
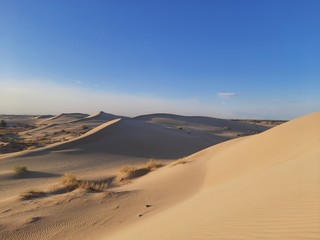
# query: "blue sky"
[234,59]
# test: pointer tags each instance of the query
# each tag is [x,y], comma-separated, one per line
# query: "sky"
[219,58]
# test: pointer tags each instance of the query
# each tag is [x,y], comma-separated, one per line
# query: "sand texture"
[264,186]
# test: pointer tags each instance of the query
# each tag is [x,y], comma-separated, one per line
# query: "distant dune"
[66,117]
[98,117]
[150,137]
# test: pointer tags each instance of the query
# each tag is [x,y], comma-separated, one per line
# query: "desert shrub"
[180,127]
[129,172]
[153,164]
[20,169]
[91,185]
[30,194]
[178,162]
[69,180]
[127,169]
[3,123]
[84,127]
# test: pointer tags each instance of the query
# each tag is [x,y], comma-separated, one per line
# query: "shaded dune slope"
[204,122]
[139,139]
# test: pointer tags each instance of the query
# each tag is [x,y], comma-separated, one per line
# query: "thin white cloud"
[226,94]
[78,81]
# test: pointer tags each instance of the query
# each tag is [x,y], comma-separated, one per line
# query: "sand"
[264,186]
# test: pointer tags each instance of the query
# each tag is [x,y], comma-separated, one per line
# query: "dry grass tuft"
[127,169]
[71,183]
[127,172]
[180,161]
[69,180]
[93,186]
[31,194]
[20,169]
[153,164]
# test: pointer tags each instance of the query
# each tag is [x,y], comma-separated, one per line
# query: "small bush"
[20,169]
[3,123]
[153,164]
[69,180]
[127,172]
[31,194]
[91,185]
[127,169]
[180,161]
[84,127]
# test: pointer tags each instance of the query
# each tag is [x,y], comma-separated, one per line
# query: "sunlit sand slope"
[265,186]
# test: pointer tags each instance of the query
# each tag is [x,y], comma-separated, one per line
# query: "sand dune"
[265,186]
[65,117]
[140,137]
[100,116]
[193,122]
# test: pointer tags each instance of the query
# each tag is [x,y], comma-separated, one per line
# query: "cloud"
[226,94]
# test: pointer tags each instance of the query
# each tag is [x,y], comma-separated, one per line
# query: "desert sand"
[217,183]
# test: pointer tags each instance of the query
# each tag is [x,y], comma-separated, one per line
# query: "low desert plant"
[69,180]
[127,169]
[20,169]
[129,172]
[84,127]
[3,123]
[30,194]
[179,161]
[153,164]
[91,185]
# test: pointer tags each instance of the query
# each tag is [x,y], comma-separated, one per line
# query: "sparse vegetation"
[153,164]
[179,161]
[20,169]
[127,172]
[91,185]
[30,194]
[179,127]
[69,180]
[3,123]
[84,127]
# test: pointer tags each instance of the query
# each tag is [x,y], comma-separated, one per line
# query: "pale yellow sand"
[262,187]
[265,186]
